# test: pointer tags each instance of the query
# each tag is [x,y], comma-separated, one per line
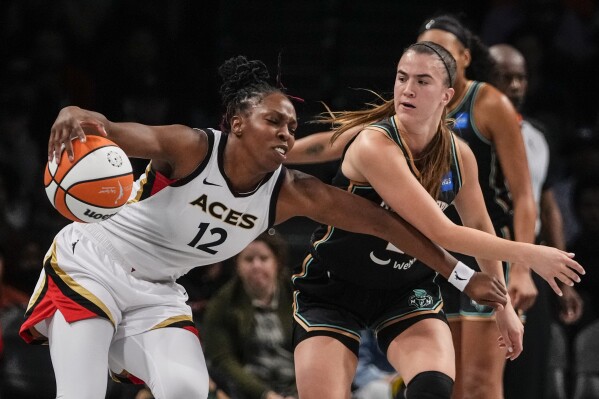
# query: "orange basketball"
[95,185]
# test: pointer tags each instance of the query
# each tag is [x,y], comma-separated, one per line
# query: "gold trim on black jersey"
[304,324]
[398,319]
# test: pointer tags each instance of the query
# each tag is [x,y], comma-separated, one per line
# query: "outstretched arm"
[175,150]
[305,195]
[374,158]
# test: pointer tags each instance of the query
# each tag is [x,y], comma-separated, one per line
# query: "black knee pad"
[430,385]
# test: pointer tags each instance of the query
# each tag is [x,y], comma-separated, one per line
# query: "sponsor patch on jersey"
[461,120]
[447,182]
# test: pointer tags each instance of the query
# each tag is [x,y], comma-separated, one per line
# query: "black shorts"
[343,309]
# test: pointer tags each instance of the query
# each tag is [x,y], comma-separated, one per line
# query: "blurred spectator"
[247,325]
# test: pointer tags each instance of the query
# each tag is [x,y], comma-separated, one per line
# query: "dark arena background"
[155,62]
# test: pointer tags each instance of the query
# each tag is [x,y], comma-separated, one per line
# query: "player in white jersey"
[108,290]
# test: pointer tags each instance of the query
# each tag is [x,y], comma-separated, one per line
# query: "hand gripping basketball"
[92,187]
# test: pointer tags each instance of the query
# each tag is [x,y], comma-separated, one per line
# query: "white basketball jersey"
[198,220]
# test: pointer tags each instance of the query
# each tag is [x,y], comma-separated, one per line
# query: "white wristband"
[460,276]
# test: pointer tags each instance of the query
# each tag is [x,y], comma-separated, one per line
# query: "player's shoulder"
[490,96]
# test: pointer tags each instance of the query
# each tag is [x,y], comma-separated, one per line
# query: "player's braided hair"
[243,81]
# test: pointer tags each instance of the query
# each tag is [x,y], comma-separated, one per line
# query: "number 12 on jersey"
[215,232]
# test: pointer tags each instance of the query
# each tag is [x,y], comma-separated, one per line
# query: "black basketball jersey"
[367,260]
[490,176]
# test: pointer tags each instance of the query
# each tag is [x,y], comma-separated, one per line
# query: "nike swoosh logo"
[206,182]
[379,261]
[457,277]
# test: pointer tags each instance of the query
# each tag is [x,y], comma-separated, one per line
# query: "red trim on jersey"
[52,301]
[193,330]
[134,380]
[160,182]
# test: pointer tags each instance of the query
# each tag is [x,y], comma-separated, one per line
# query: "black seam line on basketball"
[79,199]
[66,191]
[52,177]
[69,208]
[97,179]
[85,202]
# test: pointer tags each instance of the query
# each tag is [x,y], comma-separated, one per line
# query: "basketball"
[95,185]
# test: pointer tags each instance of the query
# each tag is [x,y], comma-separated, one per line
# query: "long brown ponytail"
[436,161]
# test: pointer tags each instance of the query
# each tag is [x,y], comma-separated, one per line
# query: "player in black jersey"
[402,156]
[488,122]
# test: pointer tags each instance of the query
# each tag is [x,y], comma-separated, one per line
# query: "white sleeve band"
[460,276]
